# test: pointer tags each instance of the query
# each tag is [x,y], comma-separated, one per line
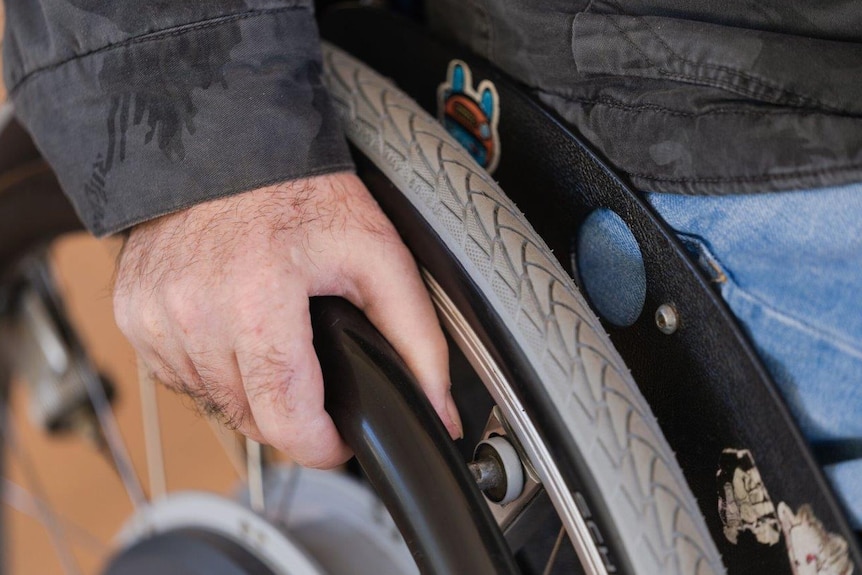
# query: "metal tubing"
[403,448]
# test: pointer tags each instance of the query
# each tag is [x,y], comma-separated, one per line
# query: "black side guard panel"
[403,448]
[705,383]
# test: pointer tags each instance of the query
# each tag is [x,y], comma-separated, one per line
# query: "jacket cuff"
[164,121]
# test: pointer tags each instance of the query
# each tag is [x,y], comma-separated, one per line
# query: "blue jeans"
[789,265]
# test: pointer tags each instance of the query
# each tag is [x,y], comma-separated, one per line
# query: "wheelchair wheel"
[584,430]
[561,388]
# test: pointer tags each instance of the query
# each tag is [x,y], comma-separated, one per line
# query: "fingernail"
[455,418]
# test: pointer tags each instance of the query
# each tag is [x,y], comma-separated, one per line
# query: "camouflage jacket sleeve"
[146,107]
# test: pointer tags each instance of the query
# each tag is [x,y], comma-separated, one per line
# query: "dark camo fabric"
[689,96]
[144,107]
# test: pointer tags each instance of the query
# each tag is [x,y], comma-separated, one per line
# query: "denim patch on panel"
[610,266]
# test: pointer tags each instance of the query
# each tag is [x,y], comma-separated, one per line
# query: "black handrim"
[403,448]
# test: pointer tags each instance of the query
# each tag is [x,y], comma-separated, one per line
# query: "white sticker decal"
[812,549]
[743,502]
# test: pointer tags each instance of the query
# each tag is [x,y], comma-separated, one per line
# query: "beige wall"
[75,478]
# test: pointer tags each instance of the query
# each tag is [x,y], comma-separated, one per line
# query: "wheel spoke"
[152,433]
[232,447]
[554,552]
[25,502]
[286,502]
[114,439]
[520,528]
[56,345]
[254,466]
[44,511]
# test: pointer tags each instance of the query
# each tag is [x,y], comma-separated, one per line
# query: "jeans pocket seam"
[731,289]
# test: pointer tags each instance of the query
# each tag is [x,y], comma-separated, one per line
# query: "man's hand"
[215,300]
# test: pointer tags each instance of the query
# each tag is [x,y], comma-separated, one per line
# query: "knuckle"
[175,301]
[275,391]
[147,319]
[184,314]
[123,316]
[123,319]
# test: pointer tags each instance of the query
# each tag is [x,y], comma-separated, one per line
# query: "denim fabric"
[605,243]
[789,265]
[846,475]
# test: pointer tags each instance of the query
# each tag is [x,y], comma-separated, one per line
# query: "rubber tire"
[608,424]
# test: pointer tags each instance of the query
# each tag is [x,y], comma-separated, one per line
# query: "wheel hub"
[187,552]
[315,522]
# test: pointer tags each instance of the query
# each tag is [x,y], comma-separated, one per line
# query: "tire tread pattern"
[653,510]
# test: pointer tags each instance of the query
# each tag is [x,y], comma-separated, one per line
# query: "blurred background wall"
[73,479]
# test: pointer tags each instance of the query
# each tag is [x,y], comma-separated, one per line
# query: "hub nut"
[497,470]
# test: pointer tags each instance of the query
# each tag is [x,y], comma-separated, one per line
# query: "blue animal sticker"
[471,114]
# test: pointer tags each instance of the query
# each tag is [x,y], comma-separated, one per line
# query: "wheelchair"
[576,467]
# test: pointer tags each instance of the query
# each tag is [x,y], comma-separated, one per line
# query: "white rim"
[202,510]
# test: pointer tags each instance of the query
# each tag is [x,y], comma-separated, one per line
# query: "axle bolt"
[497,470]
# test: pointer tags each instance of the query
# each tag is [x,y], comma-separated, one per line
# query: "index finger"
[393,297]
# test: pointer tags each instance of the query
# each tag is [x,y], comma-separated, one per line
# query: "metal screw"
[488,473]
[666,319]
